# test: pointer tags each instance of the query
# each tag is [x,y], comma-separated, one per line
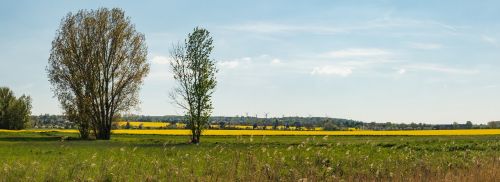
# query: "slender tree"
[195,72]
[96,66]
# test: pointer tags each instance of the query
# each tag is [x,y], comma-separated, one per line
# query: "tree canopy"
[96,66]
[14,112]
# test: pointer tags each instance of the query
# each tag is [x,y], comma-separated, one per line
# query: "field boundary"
[285,132]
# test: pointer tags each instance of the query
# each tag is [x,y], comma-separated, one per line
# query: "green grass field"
[55,156]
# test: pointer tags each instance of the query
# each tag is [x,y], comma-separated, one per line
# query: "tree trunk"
[84,133]
[193,133]
[194,140]
[198,134]
[103,133]
[83,128]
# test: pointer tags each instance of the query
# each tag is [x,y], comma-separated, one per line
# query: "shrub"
[329,126]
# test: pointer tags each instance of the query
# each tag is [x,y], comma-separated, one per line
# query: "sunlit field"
[136,124]
[249,91]
[157,125]
[58,156]
[217,132]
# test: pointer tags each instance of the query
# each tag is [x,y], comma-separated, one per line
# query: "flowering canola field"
[159,125]
[144,124]
[290,133]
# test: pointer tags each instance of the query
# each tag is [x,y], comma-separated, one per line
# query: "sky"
[377,60]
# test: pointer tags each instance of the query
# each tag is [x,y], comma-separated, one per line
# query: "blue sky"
[383,61]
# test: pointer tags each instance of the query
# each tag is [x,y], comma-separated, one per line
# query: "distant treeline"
[304,123]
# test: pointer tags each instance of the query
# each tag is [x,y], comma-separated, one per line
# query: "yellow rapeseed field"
[136,124]
[153,125]
[144,124]
[291,133]
[246,127]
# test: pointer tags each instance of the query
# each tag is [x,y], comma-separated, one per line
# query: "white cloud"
[268,27]
[352,59]
[276,61]
[245,59]
[490,40]
[426,46]
[387,22]
[357,53]
[332,70]
[442,69]
[229,64]
[160,69]
[256,62]
[402,71]
[160,75]
[160,60]
[366,63]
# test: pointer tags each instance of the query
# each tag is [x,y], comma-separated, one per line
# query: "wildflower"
[6,168]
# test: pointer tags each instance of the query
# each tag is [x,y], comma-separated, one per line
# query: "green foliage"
[96,67]
[14,112]
[330,126]
[194,71]
[494,124]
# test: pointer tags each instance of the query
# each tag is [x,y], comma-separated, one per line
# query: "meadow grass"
[217,132]
[56,156]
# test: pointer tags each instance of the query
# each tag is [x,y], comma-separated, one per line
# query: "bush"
[330,126]
[127,126]
[14,112]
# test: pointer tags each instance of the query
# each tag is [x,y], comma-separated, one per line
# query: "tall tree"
[14,112]
[96,66]
[195,72]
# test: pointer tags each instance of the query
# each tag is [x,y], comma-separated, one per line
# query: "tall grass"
[262,158]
